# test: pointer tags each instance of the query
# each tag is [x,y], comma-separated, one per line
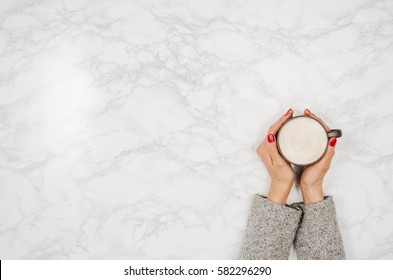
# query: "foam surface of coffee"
[302,140]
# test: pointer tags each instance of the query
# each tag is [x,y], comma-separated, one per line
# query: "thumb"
[327,158]
[272,144]
[273,150]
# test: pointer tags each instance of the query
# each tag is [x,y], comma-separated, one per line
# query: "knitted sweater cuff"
[318,236]
[270,230]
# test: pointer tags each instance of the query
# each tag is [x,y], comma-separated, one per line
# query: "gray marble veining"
[128,129]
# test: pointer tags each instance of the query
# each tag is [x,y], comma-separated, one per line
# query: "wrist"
[279,192]
[312,194]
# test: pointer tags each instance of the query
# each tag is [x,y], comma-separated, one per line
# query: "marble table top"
[128,129]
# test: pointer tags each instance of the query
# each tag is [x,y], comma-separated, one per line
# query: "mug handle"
[334,133]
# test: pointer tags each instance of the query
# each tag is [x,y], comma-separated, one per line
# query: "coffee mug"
[303,140]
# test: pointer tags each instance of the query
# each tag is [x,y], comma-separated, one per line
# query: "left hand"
[280,171]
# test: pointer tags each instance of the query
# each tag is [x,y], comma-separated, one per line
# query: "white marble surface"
[128,129]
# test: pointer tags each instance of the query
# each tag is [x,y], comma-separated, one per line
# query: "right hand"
[312,176]
[280,171]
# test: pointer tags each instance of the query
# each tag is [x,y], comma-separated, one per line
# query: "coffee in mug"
[303,140]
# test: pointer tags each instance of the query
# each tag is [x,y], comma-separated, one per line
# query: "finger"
[308,113]
[327,158]
[272,150]
[271,145]
[275,127]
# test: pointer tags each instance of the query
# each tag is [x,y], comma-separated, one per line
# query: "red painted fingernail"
[310,112]
[288,112]
[270,138]
[333,142]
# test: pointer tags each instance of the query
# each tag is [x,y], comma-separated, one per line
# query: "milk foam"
[302,140]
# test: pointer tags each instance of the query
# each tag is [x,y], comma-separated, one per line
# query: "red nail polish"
[288,112]
[270,138]
[310,112]
[333,142]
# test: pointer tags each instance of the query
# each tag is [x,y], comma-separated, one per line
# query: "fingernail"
[333,142]
[270,138]
[309,112]
[288,112]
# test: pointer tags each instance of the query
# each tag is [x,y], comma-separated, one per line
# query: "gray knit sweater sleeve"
[270,230]
[318,236]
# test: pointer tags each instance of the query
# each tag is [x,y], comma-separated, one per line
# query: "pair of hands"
[281,173]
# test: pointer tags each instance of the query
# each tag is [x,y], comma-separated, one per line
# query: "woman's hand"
[280,171]
[312,176]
